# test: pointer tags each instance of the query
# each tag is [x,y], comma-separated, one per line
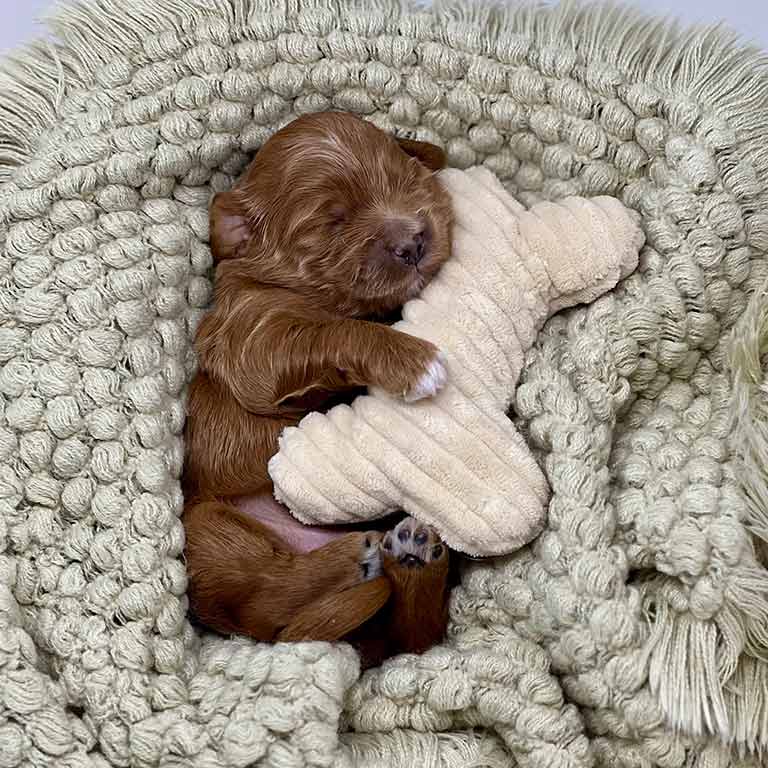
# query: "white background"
[749,17]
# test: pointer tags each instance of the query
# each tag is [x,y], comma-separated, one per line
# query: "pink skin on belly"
[299,537]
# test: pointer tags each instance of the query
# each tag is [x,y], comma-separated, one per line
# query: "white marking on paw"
[431,382]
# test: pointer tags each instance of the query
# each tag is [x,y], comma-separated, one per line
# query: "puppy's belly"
[299,537]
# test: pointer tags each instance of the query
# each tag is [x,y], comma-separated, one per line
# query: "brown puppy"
[334,226]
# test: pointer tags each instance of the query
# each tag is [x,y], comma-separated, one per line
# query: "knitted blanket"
[633,632]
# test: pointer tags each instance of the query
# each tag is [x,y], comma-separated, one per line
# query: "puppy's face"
[335,207]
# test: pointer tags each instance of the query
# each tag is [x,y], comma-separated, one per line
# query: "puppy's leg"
[370,354]
[335,615]
[244,579]
[306,352]
[416,563]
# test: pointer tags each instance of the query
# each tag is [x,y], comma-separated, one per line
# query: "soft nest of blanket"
[631,633]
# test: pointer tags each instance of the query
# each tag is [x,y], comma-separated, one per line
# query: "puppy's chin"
[386,285]
[386,300]
[410,287]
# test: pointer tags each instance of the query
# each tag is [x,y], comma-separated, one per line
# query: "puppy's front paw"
[370,557]
[430,382]
[412,369]
[412,544]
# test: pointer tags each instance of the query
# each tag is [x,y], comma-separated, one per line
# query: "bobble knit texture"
[630,633]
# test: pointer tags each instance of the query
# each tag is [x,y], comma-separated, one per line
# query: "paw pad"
[413,544]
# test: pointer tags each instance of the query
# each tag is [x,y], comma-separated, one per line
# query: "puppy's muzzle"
[406,239]
[411,250]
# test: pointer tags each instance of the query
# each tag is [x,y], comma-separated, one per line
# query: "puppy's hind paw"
[412,545]
[431,381]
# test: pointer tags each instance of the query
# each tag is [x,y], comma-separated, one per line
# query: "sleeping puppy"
[333,227]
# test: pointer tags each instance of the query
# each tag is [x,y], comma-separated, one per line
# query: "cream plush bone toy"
[456,461]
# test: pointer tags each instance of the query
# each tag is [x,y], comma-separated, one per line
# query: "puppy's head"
[335,207]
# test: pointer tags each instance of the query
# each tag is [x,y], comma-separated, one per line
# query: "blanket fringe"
[710,676]
[710,64]
[749,366]
[747,691]
[747,705]
[683,669]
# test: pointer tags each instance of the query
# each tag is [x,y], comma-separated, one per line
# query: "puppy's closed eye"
[338,215]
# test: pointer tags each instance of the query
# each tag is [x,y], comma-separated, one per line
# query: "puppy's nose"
[409,249]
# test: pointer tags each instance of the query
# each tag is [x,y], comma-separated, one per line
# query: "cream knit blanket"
[631,633]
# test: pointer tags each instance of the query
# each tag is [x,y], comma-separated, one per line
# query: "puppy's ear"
[230,229]
[428,154]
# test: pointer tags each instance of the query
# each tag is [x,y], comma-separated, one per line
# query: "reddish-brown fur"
[314,245]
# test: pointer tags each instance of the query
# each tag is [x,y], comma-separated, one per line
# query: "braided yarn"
[632,633]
